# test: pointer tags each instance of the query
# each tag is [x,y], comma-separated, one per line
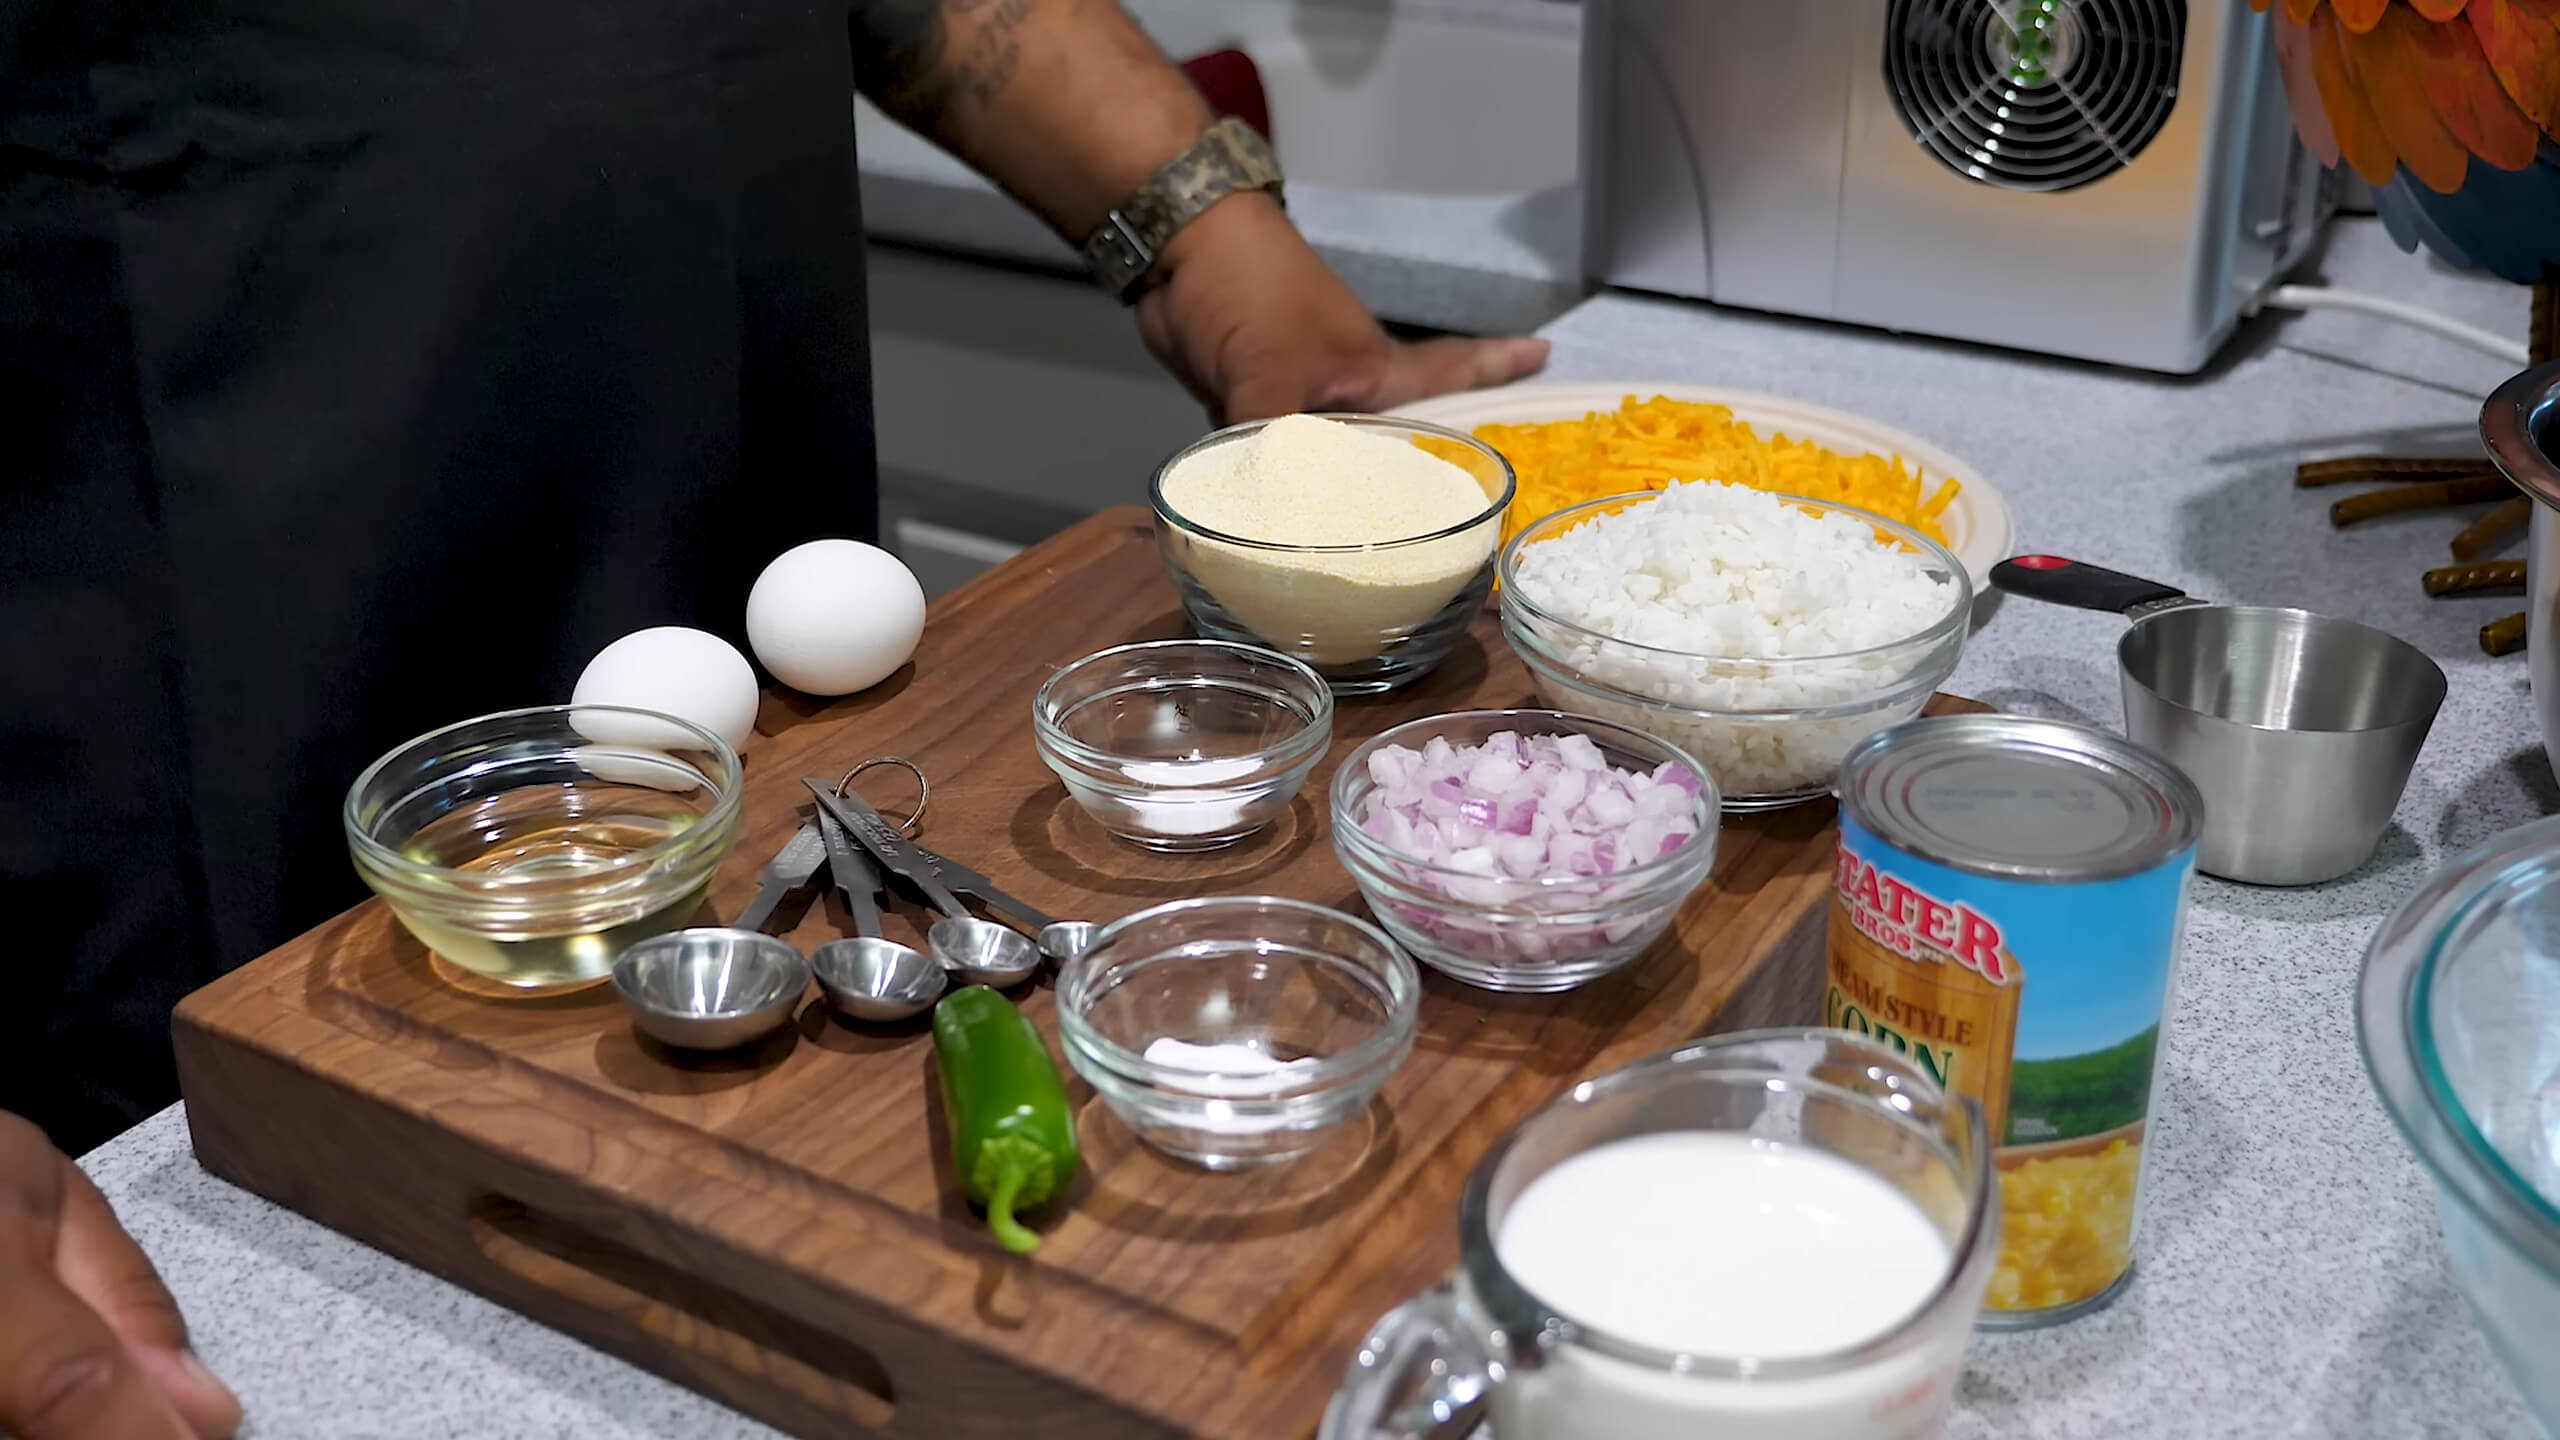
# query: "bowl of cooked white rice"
[1764,634]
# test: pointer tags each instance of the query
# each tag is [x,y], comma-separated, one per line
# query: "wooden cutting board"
[783,1230]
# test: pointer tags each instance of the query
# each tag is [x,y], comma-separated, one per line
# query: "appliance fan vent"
[2034,94]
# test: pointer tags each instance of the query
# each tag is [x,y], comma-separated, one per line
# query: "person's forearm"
[1065,103]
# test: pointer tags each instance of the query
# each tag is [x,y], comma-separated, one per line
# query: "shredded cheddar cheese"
[1652,444]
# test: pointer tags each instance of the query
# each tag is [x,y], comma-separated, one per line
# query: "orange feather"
[2521,39]
[2438,9]
[2360,15]
[2302,91]
[2361,137]
[2386,69]
[2301,11]
[2463,90]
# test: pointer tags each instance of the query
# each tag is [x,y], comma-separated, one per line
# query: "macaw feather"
[2361,137]
[2438,9]
[2464,92]
[2385,68]
[2302,90]
[2360,16]
[2522,41]
[2301,11]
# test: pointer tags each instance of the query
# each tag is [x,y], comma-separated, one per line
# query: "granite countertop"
[2291,1282]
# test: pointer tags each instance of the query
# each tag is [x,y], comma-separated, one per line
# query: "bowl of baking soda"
[1359,544]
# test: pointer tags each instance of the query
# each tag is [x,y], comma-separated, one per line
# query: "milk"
[1717,1244]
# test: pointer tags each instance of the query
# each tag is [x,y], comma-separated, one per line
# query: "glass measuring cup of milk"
[1775,1233]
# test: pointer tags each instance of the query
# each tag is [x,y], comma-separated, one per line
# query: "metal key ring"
[924,787]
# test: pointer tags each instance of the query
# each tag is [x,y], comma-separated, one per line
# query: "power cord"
[2322,297]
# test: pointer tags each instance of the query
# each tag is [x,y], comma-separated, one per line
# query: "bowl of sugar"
[1362,545]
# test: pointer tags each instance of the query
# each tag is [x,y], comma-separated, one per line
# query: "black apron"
[363,367]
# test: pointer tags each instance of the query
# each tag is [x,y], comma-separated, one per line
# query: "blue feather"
[2504,221]
[2411,227]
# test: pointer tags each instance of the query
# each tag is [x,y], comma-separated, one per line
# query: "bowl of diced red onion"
[1524,850]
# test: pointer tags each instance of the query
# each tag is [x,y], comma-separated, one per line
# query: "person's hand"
[1252,320]
[91,1345]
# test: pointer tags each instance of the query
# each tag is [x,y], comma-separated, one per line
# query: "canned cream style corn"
[2009,896]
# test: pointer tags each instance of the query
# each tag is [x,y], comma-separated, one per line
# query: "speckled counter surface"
[2292,1281]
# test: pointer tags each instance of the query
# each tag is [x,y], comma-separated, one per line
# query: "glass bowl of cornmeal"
[1362,545]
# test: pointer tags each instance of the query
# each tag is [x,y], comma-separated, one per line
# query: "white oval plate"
[1978,524]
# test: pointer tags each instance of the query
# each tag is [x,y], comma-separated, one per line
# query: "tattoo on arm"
[904,56]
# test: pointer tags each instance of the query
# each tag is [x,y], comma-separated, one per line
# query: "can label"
[2041,999]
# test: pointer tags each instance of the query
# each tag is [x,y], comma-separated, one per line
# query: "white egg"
[835,616]
[690,674]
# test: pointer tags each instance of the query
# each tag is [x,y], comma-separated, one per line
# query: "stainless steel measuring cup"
[2300,729]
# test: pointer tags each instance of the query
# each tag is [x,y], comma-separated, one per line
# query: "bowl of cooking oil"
[530,848]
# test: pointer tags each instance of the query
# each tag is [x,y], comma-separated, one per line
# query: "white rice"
[1734,576]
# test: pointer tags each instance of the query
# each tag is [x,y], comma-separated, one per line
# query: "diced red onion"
[1490,819]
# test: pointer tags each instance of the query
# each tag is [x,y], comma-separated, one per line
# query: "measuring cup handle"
[1421,1375]
[2071,582]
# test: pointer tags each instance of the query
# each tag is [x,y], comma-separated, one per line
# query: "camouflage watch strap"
[1229,159]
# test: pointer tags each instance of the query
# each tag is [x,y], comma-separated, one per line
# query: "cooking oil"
[550,842]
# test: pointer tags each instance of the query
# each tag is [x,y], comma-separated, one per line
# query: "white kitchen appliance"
[2113,180]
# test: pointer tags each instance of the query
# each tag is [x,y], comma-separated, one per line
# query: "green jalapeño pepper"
[1012,1136]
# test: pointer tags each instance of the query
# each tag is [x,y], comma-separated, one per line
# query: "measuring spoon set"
[722,987]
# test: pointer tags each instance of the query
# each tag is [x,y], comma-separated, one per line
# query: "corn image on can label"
[2008,899]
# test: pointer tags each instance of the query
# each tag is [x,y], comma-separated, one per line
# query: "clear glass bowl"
[1323,1002]
[532,847]
[1183,744]
[1535,936]
[2458,1014]
[1368,617]
[1772,731]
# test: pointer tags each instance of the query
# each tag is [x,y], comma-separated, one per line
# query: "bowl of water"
[530,848]
[2458,1014]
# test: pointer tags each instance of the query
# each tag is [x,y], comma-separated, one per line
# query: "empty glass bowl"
[1183,744]
[2458,1013]
[532,847]
[1238,1031]
[1367,617]
[1535,935]
[1772,730]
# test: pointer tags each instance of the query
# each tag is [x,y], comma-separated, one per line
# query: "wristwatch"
[1228,160]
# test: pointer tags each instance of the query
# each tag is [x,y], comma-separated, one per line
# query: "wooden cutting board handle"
[625,1289]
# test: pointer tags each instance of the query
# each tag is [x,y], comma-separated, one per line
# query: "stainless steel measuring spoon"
[718,987]
[794,865]
[869,976]
[981,952]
